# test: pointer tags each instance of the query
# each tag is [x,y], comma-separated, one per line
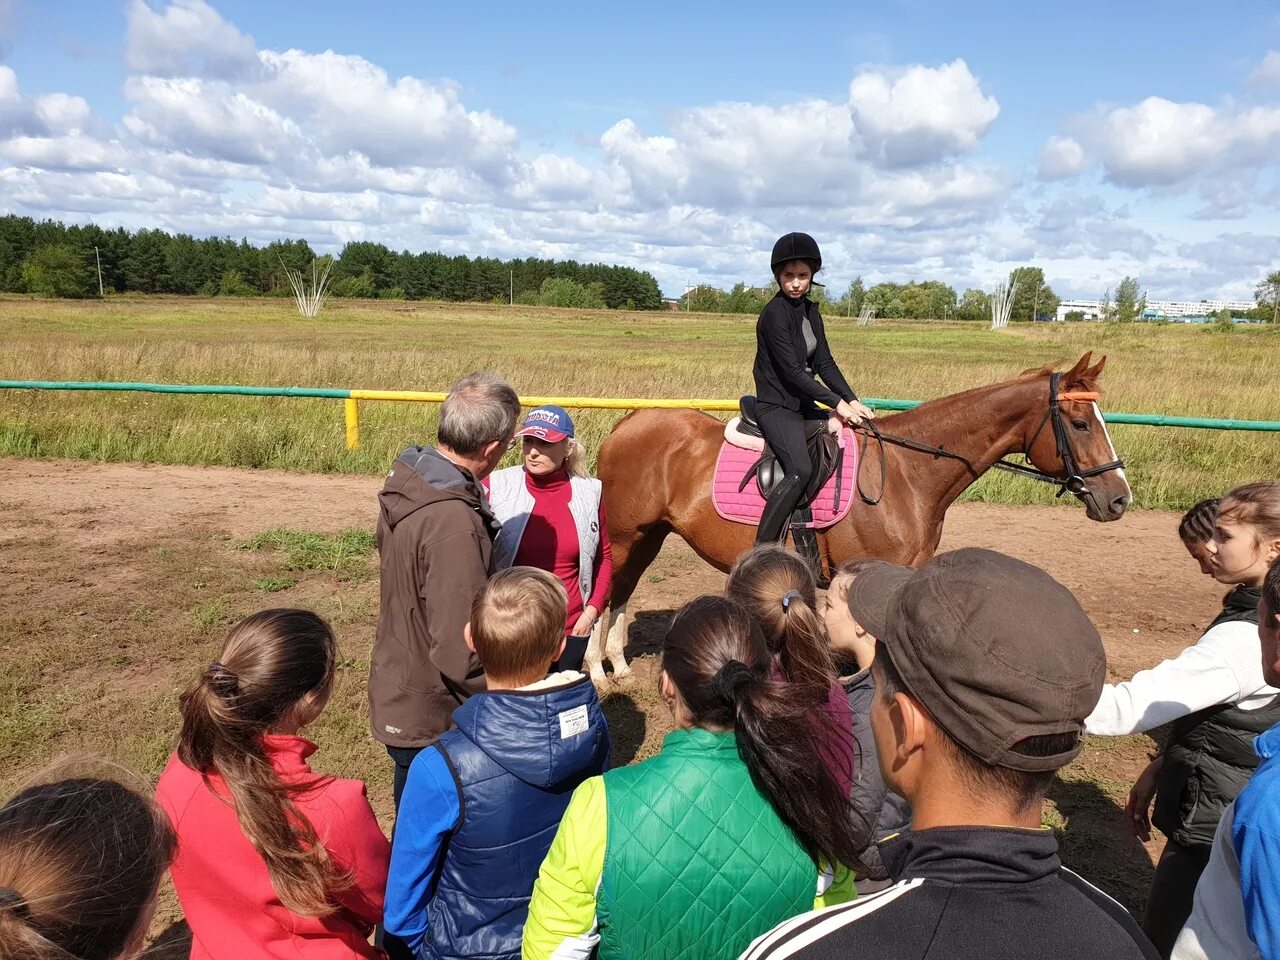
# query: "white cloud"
[349,104]
[551,181]
[208,118]
[1162,142]
[185,38]
[43,115]
[655,167]
[921,114]
[1267,72]
[1060,158]
[73,151]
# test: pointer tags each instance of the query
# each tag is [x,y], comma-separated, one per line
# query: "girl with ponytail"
[729,830]
[273,858]
[777,588]
[81,859]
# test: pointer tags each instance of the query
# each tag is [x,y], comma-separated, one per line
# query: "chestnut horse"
[657,467]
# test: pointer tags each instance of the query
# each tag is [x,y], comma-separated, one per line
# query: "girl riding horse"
[791,354]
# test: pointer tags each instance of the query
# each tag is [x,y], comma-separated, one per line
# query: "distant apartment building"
[1156,309]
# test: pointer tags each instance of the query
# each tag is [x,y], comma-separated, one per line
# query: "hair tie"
[223,678]
[788,597]
[730,678]
[11,899]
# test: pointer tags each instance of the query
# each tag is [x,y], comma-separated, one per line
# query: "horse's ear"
[1078,371]
[1094,372]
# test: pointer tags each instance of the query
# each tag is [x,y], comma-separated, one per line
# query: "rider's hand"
[854,412]
[1137,809]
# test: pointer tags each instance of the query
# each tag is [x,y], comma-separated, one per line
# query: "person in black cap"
[985,670]
[791,354]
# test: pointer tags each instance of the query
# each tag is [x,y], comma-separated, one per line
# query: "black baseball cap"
[994,648]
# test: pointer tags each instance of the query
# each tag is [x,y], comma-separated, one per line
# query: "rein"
[1073,482]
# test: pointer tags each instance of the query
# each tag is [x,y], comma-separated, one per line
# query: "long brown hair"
[81,860]
[777,587]
[274,662]
[716,656]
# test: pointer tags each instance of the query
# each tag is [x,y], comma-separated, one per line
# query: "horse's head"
[1072,442]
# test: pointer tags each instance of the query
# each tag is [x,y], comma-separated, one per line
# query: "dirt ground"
[96,544]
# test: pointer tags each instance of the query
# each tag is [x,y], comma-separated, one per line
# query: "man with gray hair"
[435,535]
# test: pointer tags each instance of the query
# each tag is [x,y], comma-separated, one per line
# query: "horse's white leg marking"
[616,641]
[594,658]
[1111,446]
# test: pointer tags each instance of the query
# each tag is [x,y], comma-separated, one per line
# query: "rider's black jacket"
[780,374]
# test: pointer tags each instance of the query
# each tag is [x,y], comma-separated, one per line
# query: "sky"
[915,139]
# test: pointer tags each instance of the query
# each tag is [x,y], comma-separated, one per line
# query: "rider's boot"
[777,512]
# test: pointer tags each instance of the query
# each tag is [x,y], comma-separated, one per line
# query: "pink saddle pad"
[746,505]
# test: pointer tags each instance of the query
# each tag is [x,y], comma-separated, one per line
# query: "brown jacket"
[435,534]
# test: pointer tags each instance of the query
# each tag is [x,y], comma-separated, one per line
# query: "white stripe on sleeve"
[799,932]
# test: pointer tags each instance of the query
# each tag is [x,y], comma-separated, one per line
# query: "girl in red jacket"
[274,860]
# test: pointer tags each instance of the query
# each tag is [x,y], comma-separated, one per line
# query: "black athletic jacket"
[986,893]
[780,373]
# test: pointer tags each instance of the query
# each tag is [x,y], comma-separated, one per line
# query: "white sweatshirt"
[1223,666]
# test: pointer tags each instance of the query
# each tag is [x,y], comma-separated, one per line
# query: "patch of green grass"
[274,584]
[308,550]
[206,616]
[26,718]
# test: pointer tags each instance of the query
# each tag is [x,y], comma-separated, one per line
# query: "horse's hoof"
[598,677]
[623,674]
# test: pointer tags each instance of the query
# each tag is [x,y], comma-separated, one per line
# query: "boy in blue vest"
[482,804]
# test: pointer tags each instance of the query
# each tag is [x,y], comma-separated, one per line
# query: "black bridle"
[1073,482]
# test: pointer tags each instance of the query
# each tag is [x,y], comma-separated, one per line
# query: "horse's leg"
[593,660]
[611,632]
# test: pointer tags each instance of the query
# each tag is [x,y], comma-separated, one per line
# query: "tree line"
[915,300]
[1033,298]
[56,259]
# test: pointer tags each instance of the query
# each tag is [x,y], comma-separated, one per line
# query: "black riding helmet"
[796,246]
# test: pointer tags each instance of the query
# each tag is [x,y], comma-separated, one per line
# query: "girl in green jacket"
[721,836]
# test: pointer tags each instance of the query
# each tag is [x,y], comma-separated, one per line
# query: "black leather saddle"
[825,454]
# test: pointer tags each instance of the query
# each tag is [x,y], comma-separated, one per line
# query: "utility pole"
[1035,304]
[511,287]
[97,257]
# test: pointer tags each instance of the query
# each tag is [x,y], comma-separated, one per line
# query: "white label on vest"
[574,722]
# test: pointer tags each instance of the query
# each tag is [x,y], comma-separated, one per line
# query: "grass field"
[390,345]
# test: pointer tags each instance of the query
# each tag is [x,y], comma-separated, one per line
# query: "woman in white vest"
[553,518]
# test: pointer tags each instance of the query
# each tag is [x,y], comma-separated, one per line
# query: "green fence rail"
[352,396]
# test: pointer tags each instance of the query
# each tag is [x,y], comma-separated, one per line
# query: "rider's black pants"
[784,431]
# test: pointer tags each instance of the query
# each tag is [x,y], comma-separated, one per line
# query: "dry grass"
[1168,369]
